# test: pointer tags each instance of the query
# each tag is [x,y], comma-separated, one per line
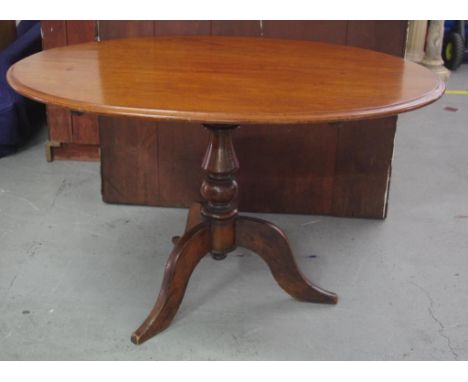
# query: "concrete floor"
[77,276]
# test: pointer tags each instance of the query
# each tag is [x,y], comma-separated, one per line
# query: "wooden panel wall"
[342,170]
[71,135]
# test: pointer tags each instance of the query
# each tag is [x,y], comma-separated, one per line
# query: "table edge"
[228,118]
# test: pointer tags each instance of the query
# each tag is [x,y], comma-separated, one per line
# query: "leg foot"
[188,251]
[271,244]
[218,256]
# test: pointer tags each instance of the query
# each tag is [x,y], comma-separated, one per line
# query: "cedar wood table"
[224,82]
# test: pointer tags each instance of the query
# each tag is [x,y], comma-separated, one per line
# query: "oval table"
[224,82]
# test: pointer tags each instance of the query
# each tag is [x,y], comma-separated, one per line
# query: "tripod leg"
[188,251]
[271,244]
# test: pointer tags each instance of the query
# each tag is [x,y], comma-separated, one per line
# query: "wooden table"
[224,82]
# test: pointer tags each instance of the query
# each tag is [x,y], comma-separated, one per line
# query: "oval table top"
[236,80]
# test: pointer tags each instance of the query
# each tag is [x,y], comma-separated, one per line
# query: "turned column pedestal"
[215,227]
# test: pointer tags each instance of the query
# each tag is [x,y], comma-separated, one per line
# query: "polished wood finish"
[268,241]
[187,253]
[216,227]
[214,79]
[219,189]
[131,145]
[323,190]
[220,229]
[71,135]
[59,121]
[318,183]
[303,170]
[362,177]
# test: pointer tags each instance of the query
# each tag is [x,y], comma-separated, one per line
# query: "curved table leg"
[188,251]
[194,217]
[271,244]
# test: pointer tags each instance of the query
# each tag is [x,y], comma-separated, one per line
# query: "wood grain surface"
[226,80]
[71,136]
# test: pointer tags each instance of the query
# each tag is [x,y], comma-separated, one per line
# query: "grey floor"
[77,275]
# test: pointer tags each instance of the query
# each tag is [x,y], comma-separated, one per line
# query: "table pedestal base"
[216,228]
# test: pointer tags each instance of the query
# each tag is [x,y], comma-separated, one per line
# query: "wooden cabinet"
[71,135]
[343,170]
